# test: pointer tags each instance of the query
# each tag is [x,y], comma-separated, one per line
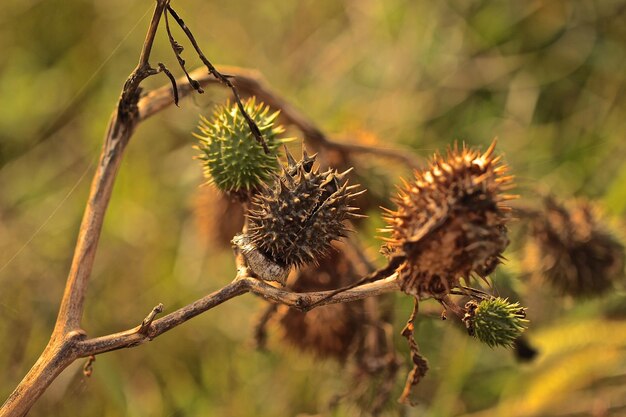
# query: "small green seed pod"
[232,158]
[496,321]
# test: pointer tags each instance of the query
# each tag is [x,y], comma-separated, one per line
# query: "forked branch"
[59,352]
[68,341]
[302,301]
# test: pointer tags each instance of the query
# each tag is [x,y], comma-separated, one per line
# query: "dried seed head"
[327,331]
[232,158]
[218,217]
[294,221]
[573,251]
[495,321]
[450,222]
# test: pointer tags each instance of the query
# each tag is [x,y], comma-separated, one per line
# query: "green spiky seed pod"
[293,221]
[232,158]
[450,222]
[495,321]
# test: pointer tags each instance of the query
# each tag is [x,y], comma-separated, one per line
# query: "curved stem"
[151,328]
[60,352]
[303,301]
[251,83]
[120,129]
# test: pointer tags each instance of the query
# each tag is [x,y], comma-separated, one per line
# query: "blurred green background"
[548,78]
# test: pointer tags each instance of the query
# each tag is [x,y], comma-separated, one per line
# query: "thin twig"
[309,300]
[144,328]
[406,157]
[222,79]
[241,285]
[469,291]
[178,50]
[135,337]
[146,49]
[251,83]
[449,304]
[385,271]
[163,69]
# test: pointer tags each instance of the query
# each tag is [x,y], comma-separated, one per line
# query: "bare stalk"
[303,301]
[251,83]
[68,341]
[60,352]
[77,345]
[119,131]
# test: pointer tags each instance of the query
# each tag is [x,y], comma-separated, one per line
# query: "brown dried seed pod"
[327,331]
[573,250]
[293,221]
[450,222]
[218,216]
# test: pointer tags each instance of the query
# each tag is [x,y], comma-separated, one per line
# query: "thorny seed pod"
[232,158]
[573,251]
[450,222]
[495,321]
[293,221]
[327,331]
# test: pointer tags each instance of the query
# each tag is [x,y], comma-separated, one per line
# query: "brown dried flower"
[327,331]
[218,217]
[573,250]
[450,222]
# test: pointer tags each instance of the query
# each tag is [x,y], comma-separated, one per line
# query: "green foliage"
[232,158]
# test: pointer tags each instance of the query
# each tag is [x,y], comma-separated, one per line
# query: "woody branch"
[60,351]
[69,341]
[302,301]
[251,83]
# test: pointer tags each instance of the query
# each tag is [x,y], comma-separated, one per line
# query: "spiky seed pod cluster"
[573,251]
[450,222]
[327,331]
[495,321]
[232,158]
[293,221]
